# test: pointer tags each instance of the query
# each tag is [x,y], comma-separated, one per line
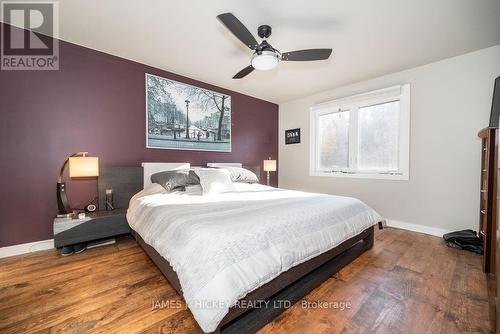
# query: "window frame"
[353,104]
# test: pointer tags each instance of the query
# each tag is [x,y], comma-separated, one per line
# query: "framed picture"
[185,117]
[292,136]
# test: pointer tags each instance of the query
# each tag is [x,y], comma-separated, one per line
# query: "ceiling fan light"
[267,60]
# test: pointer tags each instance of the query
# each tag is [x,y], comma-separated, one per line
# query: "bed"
[241,258]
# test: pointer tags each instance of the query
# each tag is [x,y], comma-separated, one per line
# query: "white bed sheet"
[224,246]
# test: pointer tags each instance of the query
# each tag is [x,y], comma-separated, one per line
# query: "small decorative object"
[292,136]
[109,199]
[184,117]
[269,166]
[80,165]
[90,207]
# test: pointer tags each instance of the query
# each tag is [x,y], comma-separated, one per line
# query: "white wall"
[450,103]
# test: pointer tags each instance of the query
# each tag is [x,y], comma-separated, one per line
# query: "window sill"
[374,176]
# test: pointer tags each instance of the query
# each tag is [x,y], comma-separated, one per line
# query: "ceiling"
[369,38]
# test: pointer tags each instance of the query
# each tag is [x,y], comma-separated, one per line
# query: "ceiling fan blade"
[306,55]
[238,29]
[244,72]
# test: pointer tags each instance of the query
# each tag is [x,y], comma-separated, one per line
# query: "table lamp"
[80,165]
[269,166]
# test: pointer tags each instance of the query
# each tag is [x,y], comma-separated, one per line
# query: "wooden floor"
[408,283]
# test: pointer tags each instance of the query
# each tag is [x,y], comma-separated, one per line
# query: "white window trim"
[401,93]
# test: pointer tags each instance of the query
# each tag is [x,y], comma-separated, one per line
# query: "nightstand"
[96,225]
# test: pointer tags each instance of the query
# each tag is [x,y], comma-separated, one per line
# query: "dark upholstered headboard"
[125,182]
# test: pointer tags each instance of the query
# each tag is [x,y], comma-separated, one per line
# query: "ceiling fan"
[265,56]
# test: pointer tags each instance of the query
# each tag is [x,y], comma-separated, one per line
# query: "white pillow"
[214,181]
[193,190]
[239,174]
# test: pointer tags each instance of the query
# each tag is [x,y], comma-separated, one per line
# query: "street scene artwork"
[184,117]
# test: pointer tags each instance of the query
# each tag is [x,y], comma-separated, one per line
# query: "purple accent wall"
[95,103]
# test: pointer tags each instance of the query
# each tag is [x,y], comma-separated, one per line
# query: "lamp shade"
[266,60]
[83,166]
[269,165]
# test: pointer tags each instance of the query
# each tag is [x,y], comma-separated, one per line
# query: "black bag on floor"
[465,239]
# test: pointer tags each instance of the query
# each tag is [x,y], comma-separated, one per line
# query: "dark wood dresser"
[496,280]
[488,196]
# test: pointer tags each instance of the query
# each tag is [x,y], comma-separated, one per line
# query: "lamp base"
[62,200]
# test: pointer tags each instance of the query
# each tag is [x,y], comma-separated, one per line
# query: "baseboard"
[438,232]
[49,244]
[26,248]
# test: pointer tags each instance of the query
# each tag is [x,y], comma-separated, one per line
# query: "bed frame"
[290,286]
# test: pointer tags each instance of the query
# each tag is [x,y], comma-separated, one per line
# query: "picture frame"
[180,116]
[292,136]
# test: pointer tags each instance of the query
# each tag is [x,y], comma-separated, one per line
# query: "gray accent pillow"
[242,175]
[175,179]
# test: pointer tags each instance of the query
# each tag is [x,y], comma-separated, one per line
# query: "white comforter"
[224,246]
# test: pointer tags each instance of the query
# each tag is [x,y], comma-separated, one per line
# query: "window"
[333,131]
[365,136]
